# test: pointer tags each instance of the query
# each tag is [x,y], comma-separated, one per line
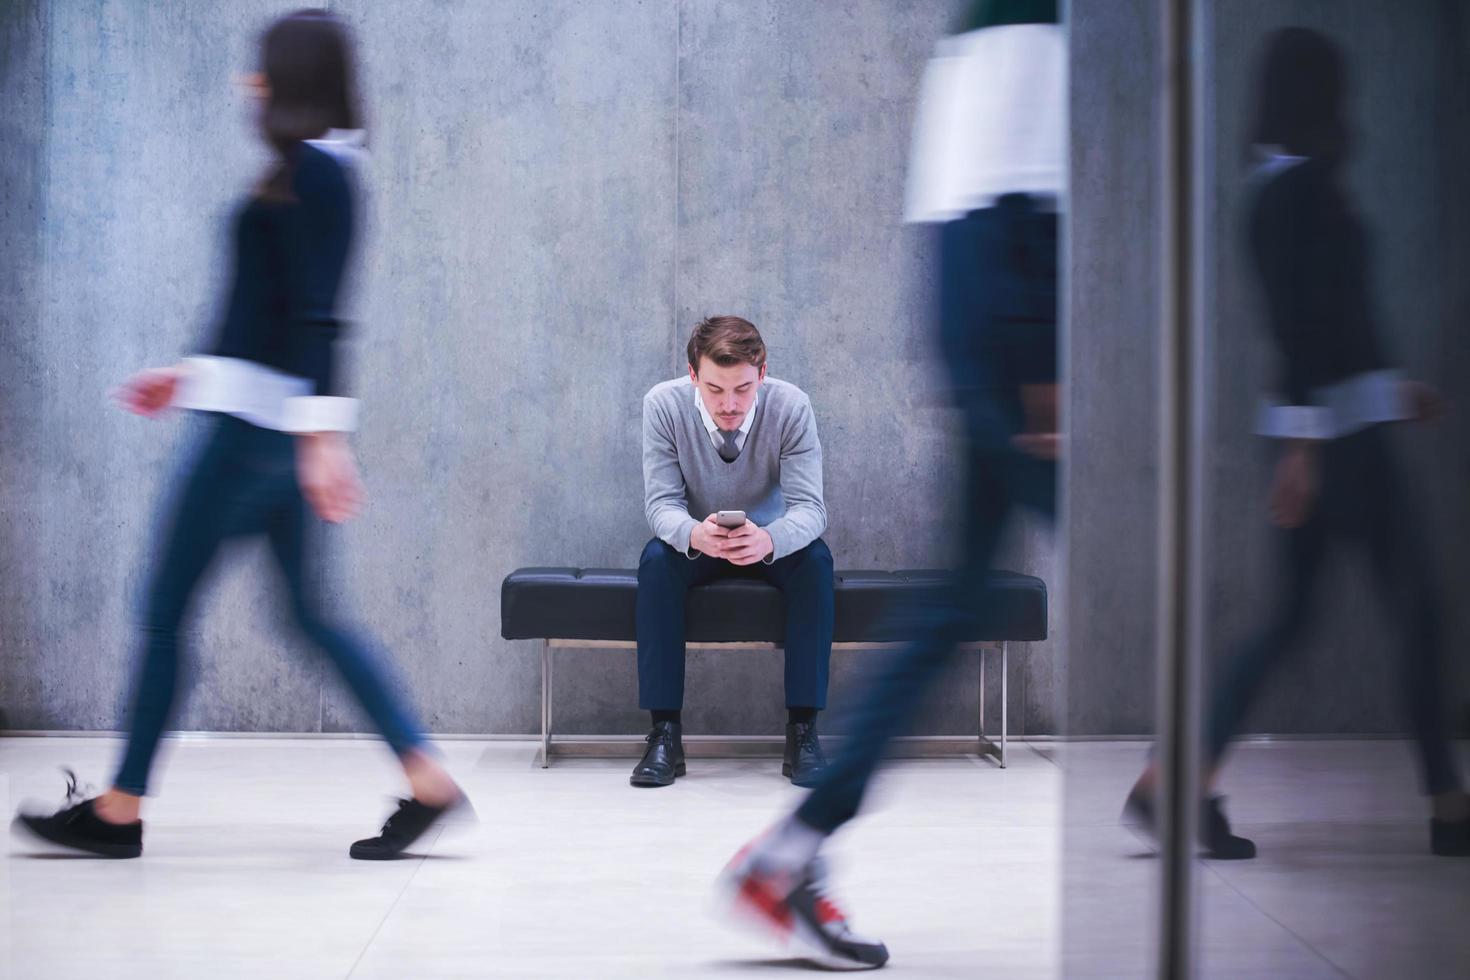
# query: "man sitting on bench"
[728,438]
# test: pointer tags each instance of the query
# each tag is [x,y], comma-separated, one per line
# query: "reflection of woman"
[1336,478]
[277,441]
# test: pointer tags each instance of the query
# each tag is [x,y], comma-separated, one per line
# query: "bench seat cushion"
[871,606]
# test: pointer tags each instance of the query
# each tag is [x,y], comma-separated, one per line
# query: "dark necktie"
[729,450]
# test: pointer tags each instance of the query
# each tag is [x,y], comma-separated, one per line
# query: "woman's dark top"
[1311,254]
[290,260]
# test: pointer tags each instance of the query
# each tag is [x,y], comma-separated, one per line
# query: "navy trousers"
[664,580]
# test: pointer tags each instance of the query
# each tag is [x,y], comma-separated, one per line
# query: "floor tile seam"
[419,866]
[1281,925]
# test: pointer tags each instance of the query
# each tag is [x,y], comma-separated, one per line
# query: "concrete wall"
[22,125]
[558,190]
[1112,420]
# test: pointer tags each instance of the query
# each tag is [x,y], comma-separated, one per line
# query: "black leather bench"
[594,608]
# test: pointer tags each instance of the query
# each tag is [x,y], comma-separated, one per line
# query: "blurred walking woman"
[278,441]
[1337,476]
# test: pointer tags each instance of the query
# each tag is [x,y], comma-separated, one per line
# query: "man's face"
[728,392]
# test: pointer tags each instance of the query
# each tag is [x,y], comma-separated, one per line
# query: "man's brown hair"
[726,340]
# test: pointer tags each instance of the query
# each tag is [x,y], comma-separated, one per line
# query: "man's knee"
[658,561]
[814,562]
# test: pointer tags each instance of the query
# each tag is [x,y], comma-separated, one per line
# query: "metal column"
[1183,402]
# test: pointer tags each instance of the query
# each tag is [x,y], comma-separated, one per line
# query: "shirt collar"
[709,420]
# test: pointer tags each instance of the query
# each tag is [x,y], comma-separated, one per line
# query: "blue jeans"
[999,485]
[244,483]
[997,331]
[664,580]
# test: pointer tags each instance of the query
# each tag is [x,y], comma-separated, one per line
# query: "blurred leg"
[202,519]
[367,674]
[1403,567]
[895,691]
[1240,682]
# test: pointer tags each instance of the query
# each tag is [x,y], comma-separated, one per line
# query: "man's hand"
[328,475]
[1294,489]
[708,538]
[748,544]
[149,393]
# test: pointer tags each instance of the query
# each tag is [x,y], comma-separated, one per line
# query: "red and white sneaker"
[792,905]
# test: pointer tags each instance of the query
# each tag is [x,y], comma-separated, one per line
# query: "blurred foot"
[1138,811]
[1215,836]
[411,821]
[78,827]
[767,886]
[428,781]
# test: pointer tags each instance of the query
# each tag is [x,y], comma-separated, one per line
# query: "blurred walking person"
[277,443]
[1337,476]
[989,169]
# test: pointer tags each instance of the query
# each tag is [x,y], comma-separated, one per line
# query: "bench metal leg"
[987,746]
[546,665]
[1004,721]
[984,740]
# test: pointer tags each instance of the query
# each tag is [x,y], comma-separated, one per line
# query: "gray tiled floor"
[1344,885]
[573,874]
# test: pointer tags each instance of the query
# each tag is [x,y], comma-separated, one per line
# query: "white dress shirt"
[714,430]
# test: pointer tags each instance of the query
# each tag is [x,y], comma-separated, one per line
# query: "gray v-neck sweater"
[776,479]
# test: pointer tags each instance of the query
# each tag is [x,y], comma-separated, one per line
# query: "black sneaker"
[410,822]
[1214,832]
[792,904]
[78,827]
[1214,829]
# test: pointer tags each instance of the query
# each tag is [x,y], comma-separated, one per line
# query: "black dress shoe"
[803,761]
[78,827]
[1450,838]
[1214,829]
[664,759]
[410,822]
